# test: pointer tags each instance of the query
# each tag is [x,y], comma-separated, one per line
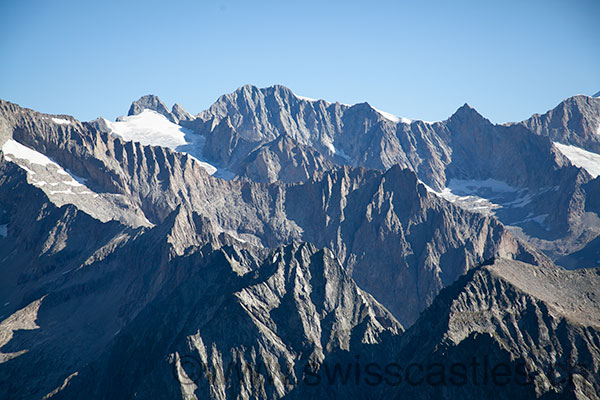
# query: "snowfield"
[17,153]
[581,158]
[153,129]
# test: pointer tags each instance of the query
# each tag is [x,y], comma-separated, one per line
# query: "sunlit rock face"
[242,251]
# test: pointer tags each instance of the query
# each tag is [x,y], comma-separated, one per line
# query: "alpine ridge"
[244,251]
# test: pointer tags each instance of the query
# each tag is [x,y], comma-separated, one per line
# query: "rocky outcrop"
[223,335]
[130,271]
[354,212]
[152,102]
[511,330]
[444,155]
[180,113]
[575,121]
[284,160]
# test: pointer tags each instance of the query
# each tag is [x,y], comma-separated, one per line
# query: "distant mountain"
[575,121]
[419,229]
[464,159]
[151,255]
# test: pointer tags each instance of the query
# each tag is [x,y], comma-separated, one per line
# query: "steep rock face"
[43,249]
[421,229]
[464,158]
[265,114]
[482,150]
[356,135]
[466,146]
[295,309]
[284,160]
[206,286]
[180,113]
[72,283]
[152,102]
[43,242]
[541,322]
[361,212]
[226,147]
[575,121]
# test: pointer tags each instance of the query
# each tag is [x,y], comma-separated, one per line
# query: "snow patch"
[329,145]
[305,98]
[539,219]
[77,181]
[150,129]
[61,121]
[483,195]
[16,151]
[581,158]
[340,152]
[153,129]
[336,152]
[388,116]
[393,118]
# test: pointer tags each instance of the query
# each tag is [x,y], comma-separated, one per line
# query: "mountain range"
[276,246]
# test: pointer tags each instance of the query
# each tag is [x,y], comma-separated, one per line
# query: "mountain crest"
[180,113]
[153,103]
[466,110]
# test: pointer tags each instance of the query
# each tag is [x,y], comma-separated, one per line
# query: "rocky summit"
[275,246]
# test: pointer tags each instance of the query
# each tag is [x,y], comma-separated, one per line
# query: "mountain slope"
[454,157]
[543,318]
[420,229]
[575,121]
[296,308]
[156,255]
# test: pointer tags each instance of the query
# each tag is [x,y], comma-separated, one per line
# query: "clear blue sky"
[419,59]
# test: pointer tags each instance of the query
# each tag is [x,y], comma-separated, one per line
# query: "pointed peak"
[466,106]
[364,106]
[180,112]
[466,111]
[149,101]
[153,103]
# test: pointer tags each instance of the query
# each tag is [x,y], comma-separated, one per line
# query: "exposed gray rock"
[153,103]
[324,245]
[575,121]
[447,154]
[180,113]
[354,212]
[543,318]
[284,160]
[297,308]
